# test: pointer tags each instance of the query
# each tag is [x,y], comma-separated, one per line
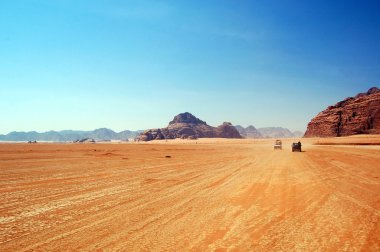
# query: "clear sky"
[86,64]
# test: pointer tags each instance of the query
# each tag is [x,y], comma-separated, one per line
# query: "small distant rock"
[85,140]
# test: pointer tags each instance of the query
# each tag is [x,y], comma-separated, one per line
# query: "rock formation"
[187,126]
[226,130]
[353,115]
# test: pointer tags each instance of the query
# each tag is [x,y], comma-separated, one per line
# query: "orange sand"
[210,194]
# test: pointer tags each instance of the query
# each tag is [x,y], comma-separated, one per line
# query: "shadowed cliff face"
[187,126]
[354,115]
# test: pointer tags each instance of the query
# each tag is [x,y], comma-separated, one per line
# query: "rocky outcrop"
[187,126]
[353,115]
[227,130]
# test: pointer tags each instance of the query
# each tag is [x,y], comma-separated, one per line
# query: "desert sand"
[202,195]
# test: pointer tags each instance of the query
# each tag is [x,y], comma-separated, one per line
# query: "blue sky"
[84,64]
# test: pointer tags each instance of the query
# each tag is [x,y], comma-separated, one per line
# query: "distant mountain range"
[69,135]
[108,134]
[267,132]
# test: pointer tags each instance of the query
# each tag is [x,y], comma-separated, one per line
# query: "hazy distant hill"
[249,132]
[69,135]
[267,132]
[275,132]
[298,133]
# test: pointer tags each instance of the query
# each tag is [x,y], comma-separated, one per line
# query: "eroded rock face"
[187,126]
[354,115]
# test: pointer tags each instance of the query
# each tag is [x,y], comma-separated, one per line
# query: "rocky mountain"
[353,115]
[69,135]
[187,126]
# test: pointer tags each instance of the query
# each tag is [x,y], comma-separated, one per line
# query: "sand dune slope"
[239,195]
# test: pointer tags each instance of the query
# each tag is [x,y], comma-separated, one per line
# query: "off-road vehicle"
[296,147]
[278,145]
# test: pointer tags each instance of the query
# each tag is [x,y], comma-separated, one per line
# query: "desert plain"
[191,195]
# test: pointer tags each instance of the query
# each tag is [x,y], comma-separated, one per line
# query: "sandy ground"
[208,195]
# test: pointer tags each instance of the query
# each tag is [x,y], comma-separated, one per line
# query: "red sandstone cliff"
[354,115]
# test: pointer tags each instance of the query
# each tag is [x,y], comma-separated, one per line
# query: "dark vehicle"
[278,145]
[296,147]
